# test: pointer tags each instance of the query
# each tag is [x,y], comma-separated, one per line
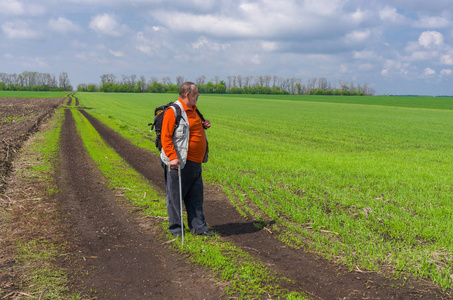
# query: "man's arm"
[168,127]
[206,124]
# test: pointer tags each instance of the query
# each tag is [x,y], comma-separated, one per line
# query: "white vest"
[180,139]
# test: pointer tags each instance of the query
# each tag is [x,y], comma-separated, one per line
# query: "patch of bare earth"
[309,272]
[19,118]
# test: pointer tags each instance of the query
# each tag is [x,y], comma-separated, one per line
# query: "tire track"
[123,260]
[69,99]
[310,273]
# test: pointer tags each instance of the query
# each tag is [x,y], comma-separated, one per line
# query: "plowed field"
[20,117]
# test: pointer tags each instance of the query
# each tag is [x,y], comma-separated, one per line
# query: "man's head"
[189,91]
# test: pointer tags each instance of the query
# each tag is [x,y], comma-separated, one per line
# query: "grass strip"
[29,94]
[243,275]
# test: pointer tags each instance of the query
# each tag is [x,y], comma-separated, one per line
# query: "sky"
[397,47]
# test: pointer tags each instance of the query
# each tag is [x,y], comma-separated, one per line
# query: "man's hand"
[174,163]
[206,124]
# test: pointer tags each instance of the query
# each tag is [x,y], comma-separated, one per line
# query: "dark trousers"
[192,195]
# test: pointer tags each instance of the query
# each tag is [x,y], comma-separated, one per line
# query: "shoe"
[207,233]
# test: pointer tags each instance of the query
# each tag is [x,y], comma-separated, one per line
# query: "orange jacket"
[197,136]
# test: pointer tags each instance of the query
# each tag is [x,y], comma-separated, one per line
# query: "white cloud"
[447,59]
[12,7]
[107,24]
[269,46]
[430,39]
[433,22]
[62,25]
[34,62]
[446,72]
[145,49]
[201,41]
[367,55]
[327,7]
[358,36]
[18,8]
[255,59]
[429,72]
[390,14]
[153,43]
[19,30]
[397,68]
[266,19]
[208,44]
[117,53]
[210,24]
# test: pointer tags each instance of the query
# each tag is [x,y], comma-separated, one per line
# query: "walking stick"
[180,204]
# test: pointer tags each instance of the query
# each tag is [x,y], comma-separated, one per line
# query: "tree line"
[265,84]
[35,81]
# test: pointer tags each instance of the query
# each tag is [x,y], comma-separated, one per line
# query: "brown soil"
[20,117]
[126,259]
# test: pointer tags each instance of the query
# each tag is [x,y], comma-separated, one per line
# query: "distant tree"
[138,87]
[92,88]
[166,81]
[179,80]
[126,79]
[322,84]
[64,82]
[133,80]
[200,80]
[82,87]
[239,78]
[155,87]
[248,81]
[143,83]
[311,84]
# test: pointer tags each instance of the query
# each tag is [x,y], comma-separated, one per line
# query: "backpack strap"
[178,114]
[201,116]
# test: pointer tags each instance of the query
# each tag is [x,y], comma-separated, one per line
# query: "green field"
[364,181]
[27,94]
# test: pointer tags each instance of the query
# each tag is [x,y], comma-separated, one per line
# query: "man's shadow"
[241,228]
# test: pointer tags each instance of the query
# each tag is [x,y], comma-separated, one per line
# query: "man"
[185,146]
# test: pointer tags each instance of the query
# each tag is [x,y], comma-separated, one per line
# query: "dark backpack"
[159,117]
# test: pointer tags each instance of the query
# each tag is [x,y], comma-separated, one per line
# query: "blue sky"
[395,46]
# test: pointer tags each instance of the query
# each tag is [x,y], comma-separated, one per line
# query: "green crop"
[27,94]
[366,182]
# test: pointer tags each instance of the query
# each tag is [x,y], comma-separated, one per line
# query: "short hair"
[185,87]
